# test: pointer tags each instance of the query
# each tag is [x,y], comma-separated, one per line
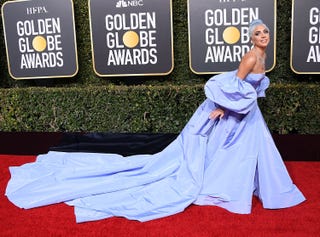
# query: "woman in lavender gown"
[223,156]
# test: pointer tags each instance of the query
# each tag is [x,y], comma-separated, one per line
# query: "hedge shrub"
[154,109]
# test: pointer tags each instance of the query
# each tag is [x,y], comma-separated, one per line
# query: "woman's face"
[260,36]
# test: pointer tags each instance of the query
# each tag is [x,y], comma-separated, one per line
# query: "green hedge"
[287,108]
[148,104]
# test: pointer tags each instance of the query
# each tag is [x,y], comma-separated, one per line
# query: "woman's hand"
[217,113]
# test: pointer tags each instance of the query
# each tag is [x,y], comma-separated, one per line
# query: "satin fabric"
[222,162]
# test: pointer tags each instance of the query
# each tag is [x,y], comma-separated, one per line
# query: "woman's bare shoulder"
[247,64]
[250,58]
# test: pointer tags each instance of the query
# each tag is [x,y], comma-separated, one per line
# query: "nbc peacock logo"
[130,3]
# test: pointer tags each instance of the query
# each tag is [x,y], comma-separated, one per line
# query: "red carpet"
[58,220]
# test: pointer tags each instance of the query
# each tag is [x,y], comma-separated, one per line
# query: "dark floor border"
[292,147]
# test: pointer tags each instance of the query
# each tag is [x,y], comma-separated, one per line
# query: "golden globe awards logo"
[39,43]
[220,38]
[226,35]
[305,40]
[40,39]
[131,37]
[314,35]
[140,31]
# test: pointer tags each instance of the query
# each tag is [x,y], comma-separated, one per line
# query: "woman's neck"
[261,58]
[260,51]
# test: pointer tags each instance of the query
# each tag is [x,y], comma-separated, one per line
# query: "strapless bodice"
[255,79]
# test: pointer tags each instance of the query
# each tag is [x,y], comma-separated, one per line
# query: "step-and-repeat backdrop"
[218,32]
[40,38]
[305,40]
[131,37]
[135,37]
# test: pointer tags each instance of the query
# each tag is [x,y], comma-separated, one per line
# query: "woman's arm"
[246,66]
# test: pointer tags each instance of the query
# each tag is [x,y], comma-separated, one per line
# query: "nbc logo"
[130,3]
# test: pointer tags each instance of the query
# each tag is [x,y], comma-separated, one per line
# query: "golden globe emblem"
[39,43]
[231,35]
[130,39]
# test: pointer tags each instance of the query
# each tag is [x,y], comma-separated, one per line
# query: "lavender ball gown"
[223,163]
